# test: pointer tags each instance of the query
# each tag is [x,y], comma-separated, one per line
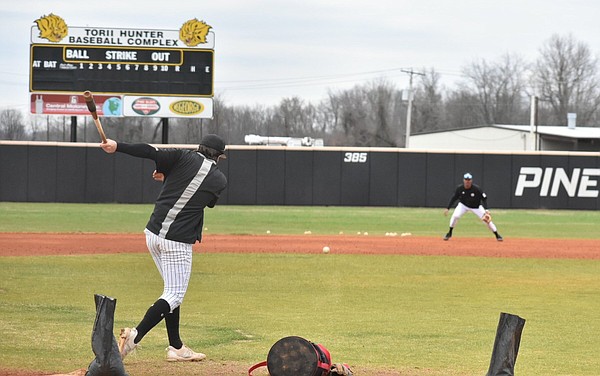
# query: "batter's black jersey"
[472,197]
[192,182]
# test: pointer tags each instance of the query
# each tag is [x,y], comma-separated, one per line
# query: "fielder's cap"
[468,176]
[213,141]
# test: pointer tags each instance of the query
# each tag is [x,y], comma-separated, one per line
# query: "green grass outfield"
[119,218]
[418,315]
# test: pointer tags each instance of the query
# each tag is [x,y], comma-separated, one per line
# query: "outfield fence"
[268,175]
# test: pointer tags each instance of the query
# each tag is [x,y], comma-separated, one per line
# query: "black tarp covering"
[506,345]
[108,360]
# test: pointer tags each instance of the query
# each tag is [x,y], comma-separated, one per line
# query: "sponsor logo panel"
[172,107]
[551,181]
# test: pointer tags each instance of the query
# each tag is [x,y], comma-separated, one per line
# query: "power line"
[302,81]
[321,80]
[313,77]
[296,84]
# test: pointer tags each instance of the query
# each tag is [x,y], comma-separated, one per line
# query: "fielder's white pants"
[174,263]
[461,209]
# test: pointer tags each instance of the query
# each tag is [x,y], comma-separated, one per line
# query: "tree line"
[564,78]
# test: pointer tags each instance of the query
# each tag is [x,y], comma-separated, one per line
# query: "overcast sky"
[269,50]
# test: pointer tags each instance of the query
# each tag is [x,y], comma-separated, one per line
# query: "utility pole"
[409,109]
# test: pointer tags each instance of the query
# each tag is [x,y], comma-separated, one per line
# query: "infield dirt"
[30,244]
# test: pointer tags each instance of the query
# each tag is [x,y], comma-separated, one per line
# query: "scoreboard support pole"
[165,130]
[73,128]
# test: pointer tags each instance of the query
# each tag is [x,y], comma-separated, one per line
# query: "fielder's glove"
[487,217]
[340,369]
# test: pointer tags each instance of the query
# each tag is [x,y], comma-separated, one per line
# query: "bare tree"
[461,110]
[365,115]
[428,104]
[295,116]
[131,129]
[500,88]
[381,97]
[12,126]
[185,130]
[325,119]
[333,106]
[566,77]
[352,117]
[235,122]
[220,115]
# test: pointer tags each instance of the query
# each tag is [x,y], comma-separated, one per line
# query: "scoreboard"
[131,71]
[121,70]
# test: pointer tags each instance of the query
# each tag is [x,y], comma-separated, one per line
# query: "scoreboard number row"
[126,67]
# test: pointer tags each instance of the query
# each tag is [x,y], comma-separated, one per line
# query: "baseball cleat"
[126,341]
[447,236]
[184,354]
[499,238]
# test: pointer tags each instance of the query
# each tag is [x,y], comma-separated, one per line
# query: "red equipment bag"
[295,356]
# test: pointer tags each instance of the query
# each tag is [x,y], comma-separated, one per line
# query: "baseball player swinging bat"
[91,105]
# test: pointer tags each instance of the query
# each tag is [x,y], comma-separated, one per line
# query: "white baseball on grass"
[326,249]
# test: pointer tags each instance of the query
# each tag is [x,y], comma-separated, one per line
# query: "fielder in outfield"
[191,182]
[471,199]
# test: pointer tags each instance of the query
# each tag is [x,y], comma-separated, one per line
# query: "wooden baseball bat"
[91,105]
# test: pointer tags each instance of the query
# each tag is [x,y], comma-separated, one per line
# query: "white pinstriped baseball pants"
[174,263]
[461,209]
